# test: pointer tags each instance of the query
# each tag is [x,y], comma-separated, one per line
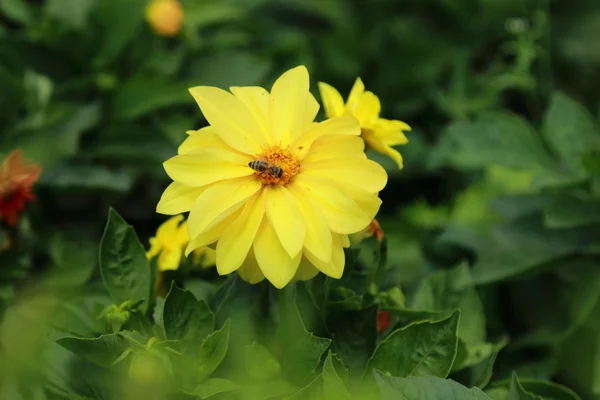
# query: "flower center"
[275,166]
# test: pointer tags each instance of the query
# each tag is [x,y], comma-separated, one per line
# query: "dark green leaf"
[355,334]
[516,248]
[259,363]
[333,385]
[213,350]
[72,13]
[124,267]
[421,388]
[570,210]
[18,10]
[517,392]
[498,138]
[87,177]
[186,319]
[481,373]
[143,95]
[231,68]
[104,350]
[418,349]
[214,386]
[570,130]
[302,350]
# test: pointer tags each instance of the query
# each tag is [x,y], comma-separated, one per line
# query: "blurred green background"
[501,170]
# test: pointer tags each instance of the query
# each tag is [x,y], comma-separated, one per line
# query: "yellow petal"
[220,198]
[210,235]
[335,146]
[288,105]
[202,139]
[257,100]
[274,262]
[169,259]
[334,267]
[345,240]
[236,241]
[155,248]
[318,235]
[178,198]
[368,108]
[250,271]
[376,144]
[361,172]
[231,119]
[285,218]
[354,97]
[335,126]
[332,100]
[168,229]
[342,213]
[312,109]
[369,203]
[205,166]
[305,271]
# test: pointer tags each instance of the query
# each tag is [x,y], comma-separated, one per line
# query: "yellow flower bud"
[165,17]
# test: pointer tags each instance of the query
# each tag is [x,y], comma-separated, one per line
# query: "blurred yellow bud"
[165,17]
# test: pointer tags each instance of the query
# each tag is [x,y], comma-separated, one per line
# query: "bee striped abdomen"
[259,165]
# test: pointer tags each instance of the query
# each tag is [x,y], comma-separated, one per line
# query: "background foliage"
[496,213]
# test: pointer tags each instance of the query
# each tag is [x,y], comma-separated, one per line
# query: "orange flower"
[16,179]
[374,229]
[165,17]
[383,320]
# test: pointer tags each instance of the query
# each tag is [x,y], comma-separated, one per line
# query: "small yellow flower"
[170,242]
[288,216]
[380,134]
[165,17]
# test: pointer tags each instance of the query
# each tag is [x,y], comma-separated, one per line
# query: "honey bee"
[263,166]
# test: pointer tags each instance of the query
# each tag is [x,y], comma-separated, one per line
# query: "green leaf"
[517,392]
[72,13]
[17,10]
[570,130]
[302,351]
[92,177]
[119,22]
[498,138]
[62,137]
[74,259]
[213,350]
[451,289]
[214,386]
[259,363]
[533,389]
[421,388]
[481,373]
[124,267]
[333,386]
[355,336]
[186,319]
[418,349]
[143,95]
[570,210]
[232,68]
[516,248]
[102,351]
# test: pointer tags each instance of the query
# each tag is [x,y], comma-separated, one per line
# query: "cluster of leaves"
[313,340]
[490,266]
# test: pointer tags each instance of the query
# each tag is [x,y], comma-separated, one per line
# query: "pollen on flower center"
[276,166]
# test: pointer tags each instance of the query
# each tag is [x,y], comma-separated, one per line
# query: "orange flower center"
[275,166]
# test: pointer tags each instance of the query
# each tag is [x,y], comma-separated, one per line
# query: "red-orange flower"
[16,179]
[383,320]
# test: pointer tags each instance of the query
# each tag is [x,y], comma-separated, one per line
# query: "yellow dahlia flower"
[169,244]
[380,134]
[277,192]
